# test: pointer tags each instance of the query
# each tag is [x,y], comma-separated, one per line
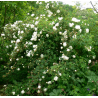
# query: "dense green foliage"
[50,52]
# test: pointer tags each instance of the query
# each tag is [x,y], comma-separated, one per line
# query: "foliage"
[51,53]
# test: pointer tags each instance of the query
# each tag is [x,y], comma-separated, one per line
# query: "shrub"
[54,49]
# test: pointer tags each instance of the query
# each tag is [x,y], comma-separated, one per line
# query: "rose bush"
[52,48]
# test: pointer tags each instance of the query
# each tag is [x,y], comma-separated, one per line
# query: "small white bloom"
[27,88]
[22,91]
[93,57]
[42,55]
[18,69]
[60,74]
[60,33]
[43,77]
[66,68]
[77,26]
[22,31]
[47,35]
[73,56]
[44,72]
[34,46]
[65,57]
[18,40]
[71,24]
[40,79]
[89,61]
[36,23]
[80,30]
[68,49]
[54,28]
[28,54]
[61,47]
[60,18]
[32,26]
[58,11]
[64,44]
[45,89]
[49,82]
[4,85]
[57,24]
[32,15]
[13,93]
[28,13]
[38,91]
[39,86]
[55,78]
[2,34]
[87,30]
[75,70]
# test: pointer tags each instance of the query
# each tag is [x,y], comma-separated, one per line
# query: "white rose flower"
[57,24]
[68,49]
[2,34]
[42,55]
[18,69]
[60,18]
[77,26]
[22,91]
[75,19]
[18,40]
[93,57]
[87,30]
[43,77]
[45,89]
[44,72]
[32,26]
[71,24]
[73,56]
[28,54]
[38,91]
[58,11]
[32,15]
[13,93]
[54,28]
[64,44]
[39,86]
[89,61]
[55,78]
[47,35]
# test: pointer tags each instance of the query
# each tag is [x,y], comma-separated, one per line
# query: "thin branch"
[93,7]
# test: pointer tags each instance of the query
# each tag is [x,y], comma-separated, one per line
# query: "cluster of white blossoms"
[35,47]
[34,37]
[49,82]
[88,48]
[60,18]
[64,57]
[71,24]
[77,27]
[49,13]
[29,53]
[75,19]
